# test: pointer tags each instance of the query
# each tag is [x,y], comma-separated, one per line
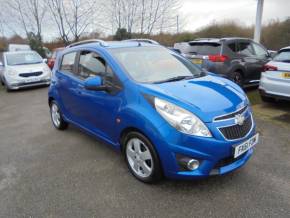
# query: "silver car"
[275,81]
[23,69]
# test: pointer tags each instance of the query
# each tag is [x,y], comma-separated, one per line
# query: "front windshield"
[22,58]
[283,56]
[154,64]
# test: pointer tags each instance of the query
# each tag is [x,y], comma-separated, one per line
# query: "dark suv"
[238,59]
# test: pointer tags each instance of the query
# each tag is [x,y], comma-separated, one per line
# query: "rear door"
[251,62]
[68,86]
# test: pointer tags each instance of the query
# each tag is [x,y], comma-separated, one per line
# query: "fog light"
[187,163]
[192,164]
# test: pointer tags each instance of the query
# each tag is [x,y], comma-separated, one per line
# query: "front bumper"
[20,85]
[214,154]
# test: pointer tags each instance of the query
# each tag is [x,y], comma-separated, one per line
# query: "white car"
[23,69]
[275,81]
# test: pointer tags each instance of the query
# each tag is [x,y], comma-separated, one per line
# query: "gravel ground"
[48,173]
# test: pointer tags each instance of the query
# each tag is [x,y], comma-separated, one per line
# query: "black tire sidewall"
[156,174]
[233,78]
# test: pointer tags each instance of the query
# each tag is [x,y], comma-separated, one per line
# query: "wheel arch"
[134,129]
[50,99]
[127,130]
[240,70]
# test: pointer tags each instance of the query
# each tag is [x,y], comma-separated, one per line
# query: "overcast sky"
[195,14]
[198,13]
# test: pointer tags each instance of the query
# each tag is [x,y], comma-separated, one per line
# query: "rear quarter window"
[204,48]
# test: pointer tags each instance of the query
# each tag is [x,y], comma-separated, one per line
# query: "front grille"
[237,131]
[30,74]
[231,115]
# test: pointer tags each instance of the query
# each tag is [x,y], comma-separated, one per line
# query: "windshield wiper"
[177,78]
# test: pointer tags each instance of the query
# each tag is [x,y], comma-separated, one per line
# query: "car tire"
[267,99]
[141,158]
[57,117]
[237,78]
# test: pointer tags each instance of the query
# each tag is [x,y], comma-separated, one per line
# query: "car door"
[68,87]
[250,61]
[99,108]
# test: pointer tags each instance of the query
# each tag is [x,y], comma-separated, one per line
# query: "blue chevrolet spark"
[166,115]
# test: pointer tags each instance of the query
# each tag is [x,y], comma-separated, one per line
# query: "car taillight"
[218,58]
[268,67]
[50,63]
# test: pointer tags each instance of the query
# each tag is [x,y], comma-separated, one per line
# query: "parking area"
[48,173]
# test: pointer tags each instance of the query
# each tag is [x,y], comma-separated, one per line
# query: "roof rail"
[209,39]
[150,41]
[101,42]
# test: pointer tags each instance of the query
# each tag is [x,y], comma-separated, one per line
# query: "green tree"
[122,34]
[35,42]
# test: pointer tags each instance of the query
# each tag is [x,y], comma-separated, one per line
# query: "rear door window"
[232,47]
[68,61]
[204,48]
[246,49]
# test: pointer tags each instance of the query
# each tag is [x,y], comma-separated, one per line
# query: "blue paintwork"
[206,97]
[94,81]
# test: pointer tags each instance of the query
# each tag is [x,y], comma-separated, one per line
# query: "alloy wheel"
[139,158]
[55,114]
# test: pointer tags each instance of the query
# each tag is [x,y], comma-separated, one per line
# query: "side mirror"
[44,60]
[95,84]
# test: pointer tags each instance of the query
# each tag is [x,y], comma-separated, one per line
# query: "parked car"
[238,59]
[165,114]
[275,81]
[23,69]
[19,47]
[51,60]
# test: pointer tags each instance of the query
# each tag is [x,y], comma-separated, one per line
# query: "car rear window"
[204,48]
[283,56]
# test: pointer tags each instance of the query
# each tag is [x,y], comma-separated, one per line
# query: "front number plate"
[247,145]
[32,80]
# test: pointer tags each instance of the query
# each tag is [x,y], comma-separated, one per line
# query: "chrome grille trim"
[231,115]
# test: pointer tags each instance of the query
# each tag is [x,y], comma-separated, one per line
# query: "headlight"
[11,72]
[46,70]
[181,119]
